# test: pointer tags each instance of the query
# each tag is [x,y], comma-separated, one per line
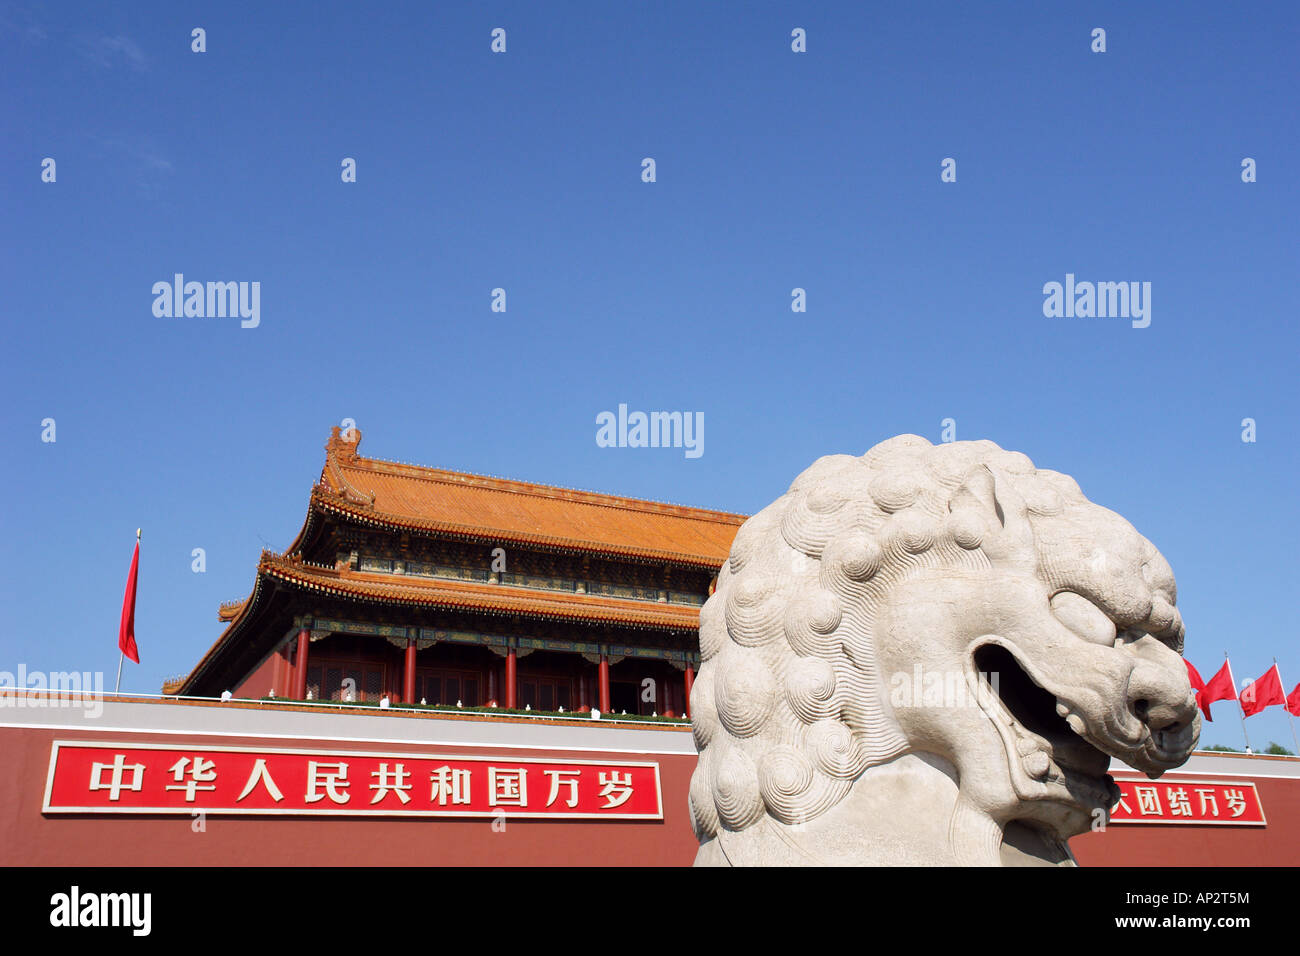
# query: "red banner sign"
[1200,802]
[158,778]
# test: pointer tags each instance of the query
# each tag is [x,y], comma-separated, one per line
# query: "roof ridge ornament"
[343,445]
[344,442]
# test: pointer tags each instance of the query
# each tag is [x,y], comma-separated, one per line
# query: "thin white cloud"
[139,151]
[108,52]
[22,22]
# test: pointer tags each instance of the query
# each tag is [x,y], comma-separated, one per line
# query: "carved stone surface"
[928,656]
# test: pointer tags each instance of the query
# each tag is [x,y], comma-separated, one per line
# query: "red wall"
[263,679]
[1277,844]
[28,837]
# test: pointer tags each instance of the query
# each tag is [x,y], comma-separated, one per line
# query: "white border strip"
[1164,821]
[332,812]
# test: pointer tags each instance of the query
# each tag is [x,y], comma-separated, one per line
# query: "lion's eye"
[1083,618]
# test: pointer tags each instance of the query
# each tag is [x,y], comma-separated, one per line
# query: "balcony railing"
[536,582]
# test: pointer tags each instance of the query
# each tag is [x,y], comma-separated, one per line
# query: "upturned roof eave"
[280,570]
[246,610]
[452,595]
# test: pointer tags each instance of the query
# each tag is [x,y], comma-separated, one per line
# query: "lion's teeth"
[1076,724]
[1062,710]
[1026,746]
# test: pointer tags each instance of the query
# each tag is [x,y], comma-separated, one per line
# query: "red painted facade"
[29,836]
[1194,844]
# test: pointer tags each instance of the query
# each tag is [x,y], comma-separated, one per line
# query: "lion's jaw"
[1045,711]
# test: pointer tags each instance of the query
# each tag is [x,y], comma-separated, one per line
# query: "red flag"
[1264,692]
[1220,687]
[1293,701]
[1194,677]
[126,634]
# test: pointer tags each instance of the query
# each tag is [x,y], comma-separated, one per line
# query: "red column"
[492,691]
[512,686]
[603,707]
[669,710]
[408,673]
[690,680]
[285,687]
[584,695]
[300,666]
[277,674]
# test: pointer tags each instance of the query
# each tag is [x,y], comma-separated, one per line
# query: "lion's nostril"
[1163,718]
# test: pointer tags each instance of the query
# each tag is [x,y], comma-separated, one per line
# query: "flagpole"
[1290,719]
[1241,710]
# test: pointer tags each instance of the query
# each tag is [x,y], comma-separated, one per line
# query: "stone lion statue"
[928,656]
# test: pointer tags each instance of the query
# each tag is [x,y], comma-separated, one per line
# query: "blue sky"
[522,171]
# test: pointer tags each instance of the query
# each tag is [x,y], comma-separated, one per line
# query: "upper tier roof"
[414,497]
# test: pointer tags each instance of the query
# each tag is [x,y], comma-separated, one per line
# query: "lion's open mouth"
[1047,746]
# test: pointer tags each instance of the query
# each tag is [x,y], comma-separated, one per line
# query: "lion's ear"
[995,499]
[978,492]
